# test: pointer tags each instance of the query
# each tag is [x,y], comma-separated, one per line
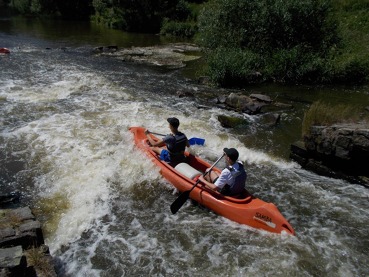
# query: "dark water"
[65,145]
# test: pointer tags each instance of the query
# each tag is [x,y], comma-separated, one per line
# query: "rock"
[13,260]
[253,104]
[182,94]
[23,252]
[238,101]
[338,151]
[112,47]
[299,153]
[99,49]
[11,257]
[7,232]
[253,107]
[270,119]
[261,97]
[231,122]
[19,227]
[171,55]
[221,99]
[9,199]
[204,80]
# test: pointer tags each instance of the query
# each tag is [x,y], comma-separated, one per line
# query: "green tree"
[23,6]
[286,40]
[76,9]
[146,15]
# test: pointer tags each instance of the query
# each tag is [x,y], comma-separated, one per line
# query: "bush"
[291,39]
[22,6]
[233,67]
[178,29]
[182,11]
[294,65]
[110,17]
[352,71]
[264,25]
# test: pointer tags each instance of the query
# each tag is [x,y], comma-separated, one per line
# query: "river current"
[65,146]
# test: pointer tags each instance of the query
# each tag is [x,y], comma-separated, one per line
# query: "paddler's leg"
[163,153]
[212,176]
[157,150]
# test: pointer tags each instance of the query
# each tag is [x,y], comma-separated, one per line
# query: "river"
[104,207]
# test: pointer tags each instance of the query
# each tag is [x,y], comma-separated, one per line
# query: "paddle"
[182,198]
[192,141]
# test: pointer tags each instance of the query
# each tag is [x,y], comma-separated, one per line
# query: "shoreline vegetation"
[315,42]
[326,114]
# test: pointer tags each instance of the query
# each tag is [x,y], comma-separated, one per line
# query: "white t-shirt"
[226,176]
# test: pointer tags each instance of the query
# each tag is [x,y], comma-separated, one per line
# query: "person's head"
[173,122]
[232,154]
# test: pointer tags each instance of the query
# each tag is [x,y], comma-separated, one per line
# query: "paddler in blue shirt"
[176,143]
[232,180]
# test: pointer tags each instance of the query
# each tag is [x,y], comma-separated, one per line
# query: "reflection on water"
[68,33]
[65,145]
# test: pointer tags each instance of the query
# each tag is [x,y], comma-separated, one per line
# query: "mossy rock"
[231,122]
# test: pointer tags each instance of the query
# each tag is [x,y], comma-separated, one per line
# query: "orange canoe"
[4,51]
[247,210]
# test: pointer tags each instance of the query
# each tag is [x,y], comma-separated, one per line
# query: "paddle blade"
[196,141]
[178,203]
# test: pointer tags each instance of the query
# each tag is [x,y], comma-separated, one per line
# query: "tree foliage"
[246,41]
[293,41]
[266,25]
[140,15]
[71,9]
[146,15]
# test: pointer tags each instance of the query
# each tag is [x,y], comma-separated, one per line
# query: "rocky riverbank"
[22,248]
[338,151]
[172,56]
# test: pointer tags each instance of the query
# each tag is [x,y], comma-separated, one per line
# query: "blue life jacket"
[238,185]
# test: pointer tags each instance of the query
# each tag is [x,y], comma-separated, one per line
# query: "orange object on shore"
[246,209]
[4,51]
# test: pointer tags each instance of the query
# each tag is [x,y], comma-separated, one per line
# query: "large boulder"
[244,103]
[340,151]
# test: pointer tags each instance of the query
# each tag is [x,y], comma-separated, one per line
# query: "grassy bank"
[325,114]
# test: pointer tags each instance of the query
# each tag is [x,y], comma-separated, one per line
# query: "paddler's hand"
[147,132]
[208,170]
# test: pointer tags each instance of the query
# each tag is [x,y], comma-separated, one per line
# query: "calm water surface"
[65,145]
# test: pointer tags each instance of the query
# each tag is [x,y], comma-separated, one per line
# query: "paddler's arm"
[158,143]
[208,184]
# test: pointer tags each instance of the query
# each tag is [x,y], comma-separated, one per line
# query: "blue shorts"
[164,156]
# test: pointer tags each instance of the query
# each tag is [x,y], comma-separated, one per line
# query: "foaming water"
[104,205]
